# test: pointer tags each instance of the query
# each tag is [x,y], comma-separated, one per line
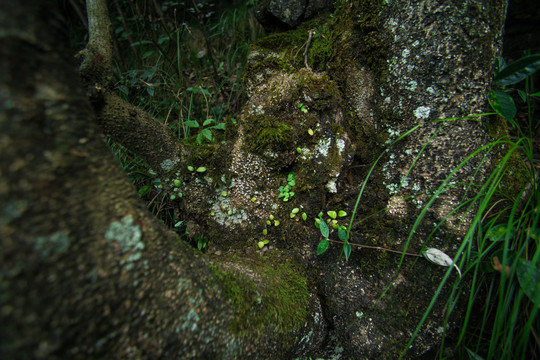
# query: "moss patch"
[269,294]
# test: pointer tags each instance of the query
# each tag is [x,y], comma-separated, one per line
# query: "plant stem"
[375,248]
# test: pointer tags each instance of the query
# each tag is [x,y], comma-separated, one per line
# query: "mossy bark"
[86,272]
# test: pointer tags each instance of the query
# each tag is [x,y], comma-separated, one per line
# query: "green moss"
[269,134]
[269,294]
[290,45]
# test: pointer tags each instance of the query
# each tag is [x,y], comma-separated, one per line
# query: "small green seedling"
[302,108]
[285,191]
[201,169]
[261,244]
[206,129]
[177,183]
[190,168]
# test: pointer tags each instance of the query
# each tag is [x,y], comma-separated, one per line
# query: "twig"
[375,248]
[310,37]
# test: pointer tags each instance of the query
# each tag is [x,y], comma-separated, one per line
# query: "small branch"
[310,37]
[376,248]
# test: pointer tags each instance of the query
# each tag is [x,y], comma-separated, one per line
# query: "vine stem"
[376,248]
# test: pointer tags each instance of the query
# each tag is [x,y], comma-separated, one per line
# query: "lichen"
[128,236]
[53,244]
[167,165]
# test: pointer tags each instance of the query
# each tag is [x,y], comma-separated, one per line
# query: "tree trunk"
[87,273]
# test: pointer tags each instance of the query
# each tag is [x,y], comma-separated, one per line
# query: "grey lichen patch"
[127,236]
[53,244]
[168,165]
[12,210]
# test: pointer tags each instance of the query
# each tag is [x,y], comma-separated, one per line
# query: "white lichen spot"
[323,146]
[405,53]
[191,321]
[411,86]
[404,181]
[167,165]
[331,186]
[422,112]
[397,206]
[340,145]
[125,233]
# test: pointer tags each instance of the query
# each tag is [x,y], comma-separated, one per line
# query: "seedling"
[285,191]
[302,108]
[206,131]
[261,244]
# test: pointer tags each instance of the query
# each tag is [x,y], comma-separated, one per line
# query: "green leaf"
[498,232]
[191,123]
[473,355]
[207,122]
[323,245]
[201,169]
[518,70]
[199,139]
[177,183]
[535,94]
[523,95]
[318,223]
[220,126]
[150,90]
[503,104]
[207,134]
[533,233]
[147,54]
[342,213]
[528,275]
[332,214]
[347,248]
[304,216]
[324,229]
[342,233]
[144,190]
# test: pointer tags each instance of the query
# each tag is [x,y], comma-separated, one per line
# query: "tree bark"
[86,271]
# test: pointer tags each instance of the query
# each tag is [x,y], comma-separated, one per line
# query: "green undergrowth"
[269,294]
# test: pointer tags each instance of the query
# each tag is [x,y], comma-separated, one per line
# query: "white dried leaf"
[436,256]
